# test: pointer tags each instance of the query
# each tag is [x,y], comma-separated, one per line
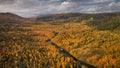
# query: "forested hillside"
[71,40]
[76,17]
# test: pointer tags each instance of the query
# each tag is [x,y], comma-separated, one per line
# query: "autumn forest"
[70,40]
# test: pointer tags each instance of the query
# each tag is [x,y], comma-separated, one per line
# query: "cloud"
[65,6]
[29,8]
[6,1]
[111,7]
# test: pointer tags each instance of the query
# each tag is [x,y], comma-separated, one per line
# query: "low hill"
[75,17]
[11,18]
[101,21]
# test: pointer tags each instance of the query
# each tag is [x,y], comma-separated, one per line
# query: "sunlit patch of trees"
[25,47]
[91,45]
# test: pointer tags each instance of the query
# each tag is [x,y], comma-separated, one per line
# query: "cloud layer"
[29,8]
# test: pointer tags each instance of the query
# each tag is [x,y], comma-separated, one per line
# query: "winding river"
[66,53]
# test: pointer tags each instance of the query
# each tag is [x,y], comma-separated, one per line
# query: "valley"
[58,43]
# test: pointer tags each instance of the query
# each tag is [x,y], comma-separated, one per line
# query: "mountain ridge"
[76,16]
[12,18]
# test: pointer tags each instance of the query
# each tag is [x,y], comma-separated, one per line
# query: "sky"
[31,8]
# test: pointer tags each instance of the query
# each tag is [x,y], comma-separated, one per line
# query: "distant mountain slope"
[109,21]
[75,17]
[101,21]
[11,18]
[9,15]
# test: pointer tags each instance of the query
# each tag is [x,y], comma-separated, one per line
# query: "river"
[66,53]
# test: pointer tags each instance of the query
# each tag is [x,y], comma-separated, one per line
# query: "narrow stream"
[66,53]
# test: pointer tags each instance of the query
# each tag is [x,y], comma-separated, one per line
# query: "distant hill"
[11,18]
[75,17]
[9,14]
[101,21]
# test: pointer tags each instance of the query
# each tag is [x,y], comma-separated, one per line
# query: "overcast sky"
[29,8]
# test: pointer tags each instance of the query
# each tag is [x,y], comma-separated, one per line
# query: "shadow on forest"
[106,23]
